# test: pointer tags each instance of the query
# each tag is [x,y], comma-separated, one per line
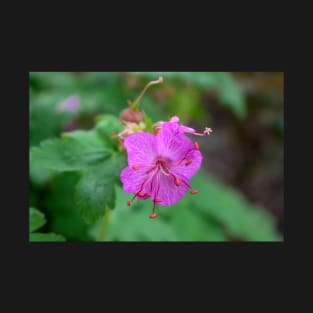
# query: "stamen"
[137,167]
[129,202]
[157,200]
[153,215]
[176,181]
[140,193]
[163,169]
[206,132]
[184,157]
[188,162]
[194,191]
[185,183]
[197,145]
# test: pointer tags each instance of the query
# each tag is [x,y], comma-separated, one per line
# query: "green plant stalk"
[134,105]
[104,225]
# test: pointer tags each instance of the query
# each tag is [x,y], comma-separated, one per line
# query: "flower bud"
[129,115]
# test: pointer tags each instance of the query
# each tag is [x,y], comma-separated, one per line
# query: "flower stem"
[135,104]
[104,225]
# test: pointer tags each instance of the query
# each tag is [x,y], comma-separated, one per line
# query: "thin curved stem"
[135,104]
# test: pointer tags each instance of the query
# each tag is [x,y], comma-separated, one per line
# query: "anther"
[188,162]
[153,215]
[129,202]
[207,131]
[194,191]
[147,194]
[135,167]
[177,182]
[197,145]
[141,194]
[158,200]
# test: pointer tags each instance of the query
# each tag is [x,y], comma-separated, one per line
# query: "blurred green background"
[241,181]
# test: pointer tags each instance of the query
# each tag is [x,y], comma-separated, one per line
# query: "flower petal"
[190,165]
[165,189]
[132,179]
[141,148]
[182,128]
[172,143]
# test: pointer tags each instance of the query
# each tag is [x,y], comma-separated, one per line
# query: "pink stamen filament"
[184,157]
[137,167]
[206,132]
[146,181]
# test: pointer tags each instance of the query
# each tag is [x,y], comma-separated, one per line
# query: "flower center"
[152,180]
[162,166]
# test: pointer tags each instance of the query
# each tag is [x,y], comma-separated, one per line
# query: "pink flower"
[160,166]
[69,104]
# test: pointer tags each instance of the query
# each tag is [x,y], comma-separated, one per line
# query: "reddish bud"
[153,215]
[129,202]
[128,115]
[197,146]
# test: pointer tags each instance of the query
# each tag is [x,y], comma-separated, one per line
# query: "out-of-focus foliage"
[186,99]
[36,221]
[76,159]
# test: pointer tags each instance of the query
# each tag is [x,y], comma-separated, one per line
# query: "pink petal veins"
[141,148]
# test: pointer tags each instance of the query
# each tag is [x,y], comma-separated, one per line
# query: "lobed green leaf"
[74,152]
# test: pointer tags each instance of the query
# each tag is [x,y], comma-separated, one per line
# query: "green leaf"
[46,237]
[74,152]
[107,126]
[36,219]
[59,203]
[44,121]
[95,191]
[124,222]
[40,175]
[241,219]
[190,225]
